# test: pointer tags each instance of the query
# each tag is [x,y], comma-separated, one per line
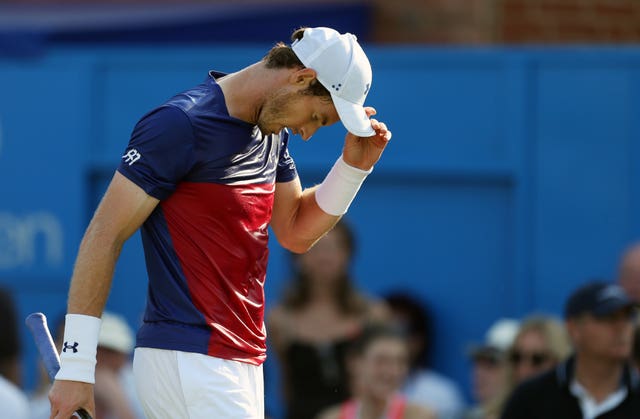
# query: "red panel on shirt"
[220,234]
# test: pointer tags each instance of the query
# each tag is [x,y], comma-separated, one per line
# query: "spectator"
[315,323]
[635,356]
[540,344]
[13,401]
[629,279]
[379,362]
[489,367]
[423,386]
[114,388]
[597,381]
[629,272]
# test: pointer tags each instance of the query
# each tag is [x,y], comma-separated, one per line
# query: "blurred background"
[512,177]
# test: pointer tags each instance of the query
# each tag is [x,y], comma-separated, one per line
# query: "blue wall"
[511,178]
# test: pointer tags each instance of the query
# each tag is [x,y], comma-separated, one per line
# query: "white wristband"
[78,356]
[337,190]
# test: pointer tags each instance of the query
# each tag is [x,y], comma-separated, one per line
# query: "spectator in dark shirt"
[597,381]
[13,401]
[321,314]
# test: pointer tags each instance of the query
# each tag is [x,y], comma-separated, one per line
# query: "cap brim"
[353,117]
[611,306]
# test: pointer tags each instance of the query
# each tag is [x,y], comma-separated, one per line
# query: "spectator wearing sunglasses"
[597,381]
[539,345]
[488,367]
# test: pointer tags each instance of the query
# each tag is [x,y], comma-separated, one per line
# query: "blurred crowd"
[345,353]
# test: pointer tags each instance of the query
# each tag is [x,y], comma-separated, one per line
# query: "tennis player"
[203,177]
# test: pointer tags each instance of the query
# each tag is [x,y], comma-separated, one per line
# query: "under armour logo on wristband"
[67,346]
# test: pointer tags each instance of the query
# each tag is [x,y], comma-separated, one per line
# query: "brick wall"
[590,21]
[434,21]
[506,21]
[446,22]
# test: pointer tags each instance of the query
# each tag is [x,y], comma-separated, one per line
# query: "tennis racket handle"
[37,324]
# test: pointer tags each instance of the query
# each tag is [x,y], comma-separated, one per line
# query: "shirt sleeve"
[286,170]
[161,151]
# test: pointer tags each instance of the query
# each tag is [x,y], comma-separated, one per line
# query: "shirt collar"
[592,409]
[565,374]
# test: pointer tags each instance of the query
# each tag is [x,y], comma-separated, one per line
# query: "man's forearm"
[88,294]
[93,273]
[311,222]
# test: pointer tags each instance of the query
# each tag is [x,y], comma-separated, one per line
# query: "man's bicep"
[124,207]
[286,201]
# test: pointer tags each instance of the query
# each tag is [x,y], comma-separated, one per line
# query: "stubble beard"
[273,113]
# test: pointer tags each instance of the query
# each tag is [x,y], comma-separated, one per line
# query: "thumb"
[370,111]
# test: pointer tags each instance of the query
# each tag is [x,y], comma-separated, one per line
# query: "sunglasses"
[535,359]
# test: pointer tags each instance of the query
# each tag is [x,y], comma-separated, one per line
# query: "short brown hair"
[282,56]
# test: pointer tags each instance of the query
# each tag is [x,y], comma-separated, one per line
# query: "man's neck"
[599,377]
[246,90]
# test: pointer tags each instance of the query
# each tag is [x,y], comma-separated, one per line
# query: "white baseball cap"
[342,68]
[498,339]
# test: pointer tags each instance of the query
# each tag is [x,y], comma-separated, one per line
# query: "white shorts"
[175,384]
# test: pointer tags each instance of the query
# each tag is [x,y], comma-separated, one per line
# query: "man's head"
[629,272]
[338,71]
[600,321]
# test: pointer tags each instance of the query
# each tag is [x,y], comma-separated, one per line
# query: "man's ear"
[302,76]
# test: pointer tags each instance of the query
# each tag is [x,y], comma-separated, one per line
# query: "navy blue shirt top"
[205,244]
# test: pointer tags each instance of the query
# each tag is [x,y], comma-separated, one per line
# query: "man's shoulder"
[535,397]
[543,388]
[204,96]
[546,381]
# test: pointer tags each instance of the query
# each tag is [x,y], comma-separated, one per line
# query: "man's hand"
[364,152]
[68,396]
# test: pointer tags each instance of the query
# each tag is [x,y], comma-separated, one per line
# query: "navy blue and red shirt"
[205,243]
